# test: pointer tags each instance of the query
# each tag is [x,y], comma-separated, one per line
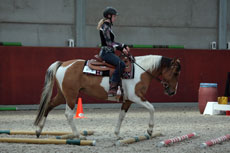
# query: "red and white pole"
[215,141]
[176,139]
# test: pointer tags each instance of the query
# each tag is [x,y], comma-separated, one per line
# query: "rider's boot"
[112,89]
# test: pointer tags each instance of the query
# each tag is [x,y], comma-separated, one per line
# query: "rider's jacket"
[107,38]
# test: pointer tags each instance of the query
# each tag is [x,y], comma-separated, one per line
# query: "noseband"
[165,84]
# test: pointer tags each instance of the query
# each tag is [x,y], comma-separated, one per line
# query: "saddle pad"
[126,75]
[88,70]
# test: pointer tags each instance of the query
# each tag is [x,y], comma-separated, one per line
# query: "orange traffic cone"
[79,113]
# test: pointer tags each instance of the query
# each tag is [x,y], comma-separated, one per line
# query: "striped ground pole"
[176,139]
[215,141]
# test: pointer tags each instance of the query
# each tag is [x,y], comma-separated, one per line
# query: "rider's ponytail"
[100,23]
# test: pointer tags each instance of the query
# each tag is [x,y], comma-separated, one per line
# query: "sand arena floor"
[171,121]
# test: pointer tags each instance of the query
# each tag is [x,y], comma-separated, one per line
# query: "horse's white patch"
[61,73]
[105,83]
[150,62]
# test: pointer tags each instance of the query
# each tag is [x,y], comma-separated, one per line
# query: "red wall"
[22,72]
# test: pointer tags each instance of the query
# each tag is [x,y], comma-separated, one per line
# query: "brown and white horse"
[71,80]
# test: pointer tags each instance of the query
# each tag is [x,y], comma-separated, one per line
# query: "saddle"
[100,67]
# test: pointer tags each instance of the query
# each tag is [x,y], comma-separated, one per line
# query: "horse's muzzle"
[169,92]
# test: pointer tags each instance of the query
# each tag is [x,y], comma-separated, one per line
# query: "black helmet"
[109,11]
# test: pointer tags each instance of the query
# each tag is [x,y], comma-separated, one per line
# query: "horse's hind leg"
[124,108]
[57,100]
[69,113]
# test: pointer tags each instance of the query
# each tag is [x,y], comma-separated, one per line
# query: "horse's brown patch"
[125,106]
[142,86]
[75,80]
[92,86]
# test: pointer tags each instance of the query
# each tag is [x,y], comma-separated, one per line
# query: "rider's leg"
[116,78]
[113,59]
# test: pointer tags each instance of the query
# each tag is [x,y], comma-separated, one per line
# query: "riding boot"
[112,89]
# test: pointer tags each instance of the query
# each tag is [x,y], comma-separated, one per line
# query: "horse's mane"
[149,62]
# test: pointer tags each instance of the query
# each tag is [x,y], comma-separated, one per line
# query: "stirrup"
[112,89]
[111,95]
[112,92]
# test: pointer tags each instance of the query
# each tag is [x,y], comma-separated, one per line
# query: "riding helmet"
[109,11]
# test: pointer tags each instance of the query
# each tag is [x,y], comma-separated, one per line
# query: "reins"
[131,58]
[147,72]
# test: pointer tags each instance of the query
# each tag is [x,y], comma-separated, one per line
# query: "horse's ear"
[175,60]
[176,64]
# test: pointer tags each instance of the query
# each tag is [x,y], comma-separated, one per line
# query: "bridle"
[165,84]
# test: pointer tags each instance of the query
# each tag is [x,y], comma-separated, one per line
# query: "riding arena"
[69,84]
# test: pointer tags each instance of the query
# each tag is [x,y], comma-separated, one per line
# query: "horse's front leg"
[124,108]
[151,110]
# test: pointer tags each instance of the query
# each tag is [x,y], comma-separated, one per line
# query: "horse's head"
[170,75]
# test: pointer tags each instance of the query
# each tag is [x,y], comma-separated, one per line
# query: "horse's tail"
[47,91]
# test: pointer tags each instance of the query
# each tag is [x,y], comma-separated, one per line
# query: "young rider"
[108,47]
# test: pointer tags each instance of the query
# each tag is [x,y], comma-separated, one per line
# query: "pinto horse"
[71,80]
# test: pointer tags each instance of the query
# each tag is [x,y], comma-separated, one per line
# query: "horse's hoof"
[38,134]
[150,132]
[117,134]
[119,138]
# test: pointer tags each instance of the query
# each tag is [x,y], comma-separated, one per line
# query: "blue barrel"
[207,92]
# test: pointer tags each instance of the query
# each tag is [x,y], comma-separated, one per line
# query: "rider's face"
[114,17]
